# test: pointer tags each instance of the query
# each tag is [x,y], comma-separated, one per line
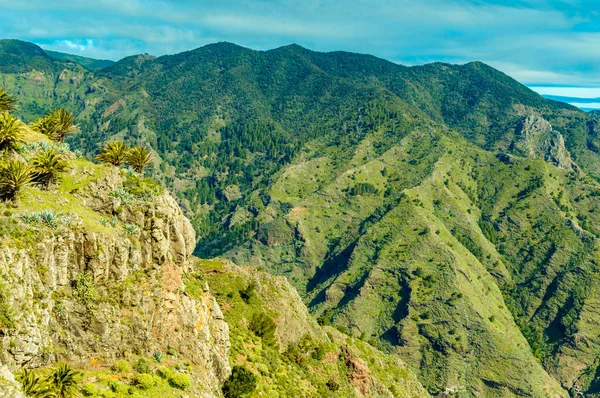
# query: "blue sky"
[540,43]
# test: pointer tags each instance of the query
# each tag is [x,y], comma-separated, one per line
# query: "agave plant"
[7,101]
[65,381]
[46,166]
[56,125]
[138,158]
[11,131]
[14,176]
[34,386]
[113,153]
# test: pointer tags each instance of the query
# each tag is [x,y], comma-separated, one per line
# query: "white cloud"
[590,105]
[575,92]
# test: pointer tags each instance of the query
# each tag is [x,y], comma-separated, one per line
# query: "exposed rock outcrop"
[83,294]
[535,137]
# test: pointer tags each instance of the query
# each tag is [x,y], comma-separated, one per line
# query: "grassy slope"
[306,372]
[423,268]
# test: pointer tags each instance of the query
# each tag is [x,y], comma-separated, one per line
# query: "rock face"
[535,137]
[86,295]
[9,388]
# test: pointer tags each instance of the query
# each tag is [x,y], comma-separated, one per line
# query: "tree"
[11,131]
[264,327]
[46,166]
[113,153]
[65,381]
[241,382]
[7,101]
[34,386]
[56,125]
[14,176]
[139,157]
[65,124]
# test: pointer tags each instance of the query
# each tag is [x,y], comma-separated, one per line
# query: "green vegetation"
[56,125]
[46,165]
[180,381]
[7,101]
[138,158]
[240,383]
[114,153]
[309,361]
[14,176]
[11,132]
[62,382]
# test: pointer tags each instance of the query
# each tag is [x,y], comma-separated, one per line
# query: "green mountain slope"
[89,63]
[445,213]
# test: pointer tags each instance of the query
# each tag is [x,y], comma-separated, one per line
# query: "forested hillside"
[444,213]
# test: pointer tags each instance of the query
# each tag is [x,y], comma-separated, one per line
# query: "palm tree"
[56,125]
[14,176]
[139,157]
[64,381]
[11,131]
[45,125]
[33,386]
[113,153]
[7,101]
[65,124]
[46,166]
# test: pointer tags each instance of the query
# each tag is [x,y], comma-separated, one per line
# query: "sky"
[550,45]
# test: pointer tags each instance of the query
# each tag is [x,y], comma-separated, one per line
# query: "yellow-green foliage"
[310,367]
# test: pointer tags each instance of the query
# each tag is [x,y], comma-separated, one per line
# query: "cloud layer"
[540,42]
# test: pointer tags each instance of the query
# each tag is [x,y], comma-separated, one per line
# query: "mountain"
[97,272]
[89,63]
[443,213]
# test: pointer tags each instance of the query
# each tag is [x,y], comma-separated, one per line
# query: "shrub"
[180,380]
[165,372]
[7,312]
[142,366]
[158,356]
[117,387]
[85,291]
[89,390]
[241,382]
[144,381]
[248,292]
[121,366]
[264,327]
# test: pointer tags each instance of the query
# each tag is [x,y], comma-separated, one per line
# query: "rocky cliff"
[92,272]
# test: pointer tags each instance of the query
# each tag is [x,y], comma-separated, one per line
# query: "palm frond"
[11,131]
[139,157]
[114,153]
[14,176]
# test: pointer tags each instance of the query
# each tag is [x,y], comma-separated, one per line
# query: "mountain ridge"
[397,200]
